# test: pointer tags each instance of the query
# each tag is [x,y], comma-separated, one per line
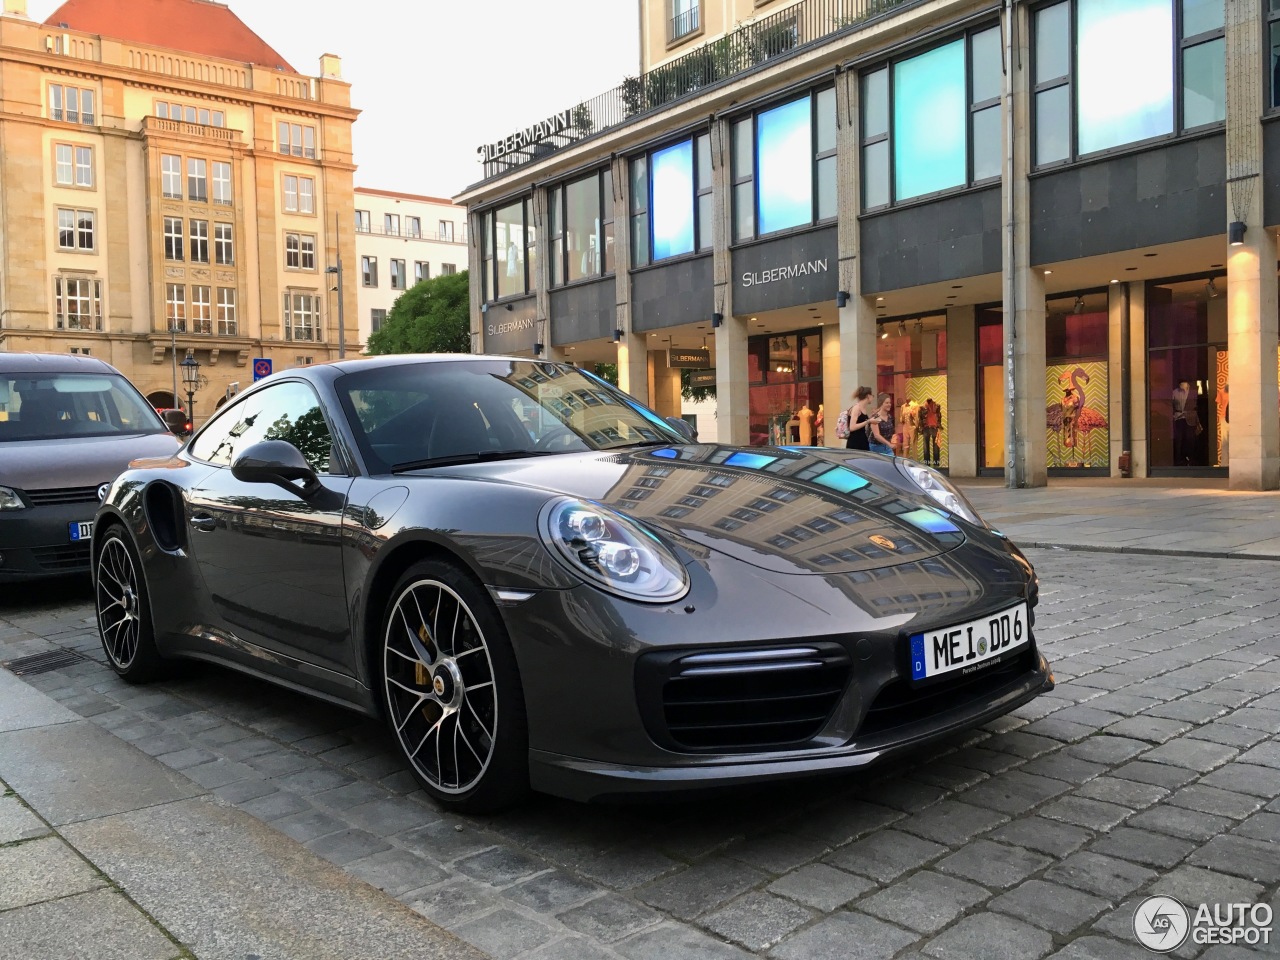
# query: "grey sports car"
[538,582]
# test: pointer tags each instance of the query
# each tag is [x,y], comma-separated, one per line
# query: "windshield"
[455,411]
[56,406]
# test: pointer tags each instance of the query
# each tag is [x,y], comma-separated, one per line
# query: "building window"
[175,298]
[391,224]
[369,271]
[78,303]
[446,231]
[72,104]
[227,325]
[223,249]
[296,139]
[684,19]
[299,251]
[413,226]
[1087,100]
[201,310]
[509,234]
[448,269]
[769,150]
[397,275]
[76,230]
[362,221]
[671,201]
[171,176]
[222,183]
[581,228]
[199,241]
[173,238]
[73,165]
[931,122]
[377,317]
[301,316]
[197,180]
[421,271]
[201,115]
[299,194]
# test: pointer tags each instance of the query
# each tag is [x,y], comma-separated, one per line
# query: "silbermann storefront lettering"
[785,273]
[526,137]
[511,326]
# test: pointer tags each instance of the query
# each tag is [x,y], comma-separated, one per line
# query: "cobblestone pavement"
[1153,768]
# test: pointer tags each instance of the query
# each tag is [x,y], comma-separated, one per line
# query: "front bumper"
[579,779]
[34,543]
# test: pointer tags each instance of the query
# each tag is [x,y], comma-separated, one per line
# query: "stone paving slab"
[22,708]
[101,925]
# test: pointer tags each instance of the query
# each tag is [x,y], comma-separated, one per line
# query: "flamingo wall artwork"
[1076,415]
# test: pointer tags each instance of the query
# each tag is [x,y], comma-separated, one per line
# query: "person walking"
[880,426]
[859,414]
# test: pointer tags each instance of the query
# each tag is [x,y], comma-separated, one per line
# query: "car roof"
[349,365]
[52,363]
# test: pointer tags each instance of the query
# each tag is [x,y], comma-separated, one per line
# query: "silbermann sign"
[526,137]
[688,358]
[785,273]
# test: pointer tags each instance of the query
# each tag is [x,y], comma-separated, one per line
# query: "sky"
[437,78]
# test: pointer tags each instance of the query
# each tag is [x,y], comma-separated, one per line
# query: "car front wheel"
[124,611]
[452,690]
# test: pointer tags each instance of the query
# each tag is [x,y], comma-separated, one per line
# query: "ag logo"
[1161,924]
[884,542]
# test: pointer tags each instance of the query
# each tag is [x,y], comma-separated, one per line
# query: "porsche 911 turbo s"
[540,583]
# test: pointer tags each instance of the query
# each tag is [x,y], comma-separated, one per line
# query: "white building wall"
[384,245]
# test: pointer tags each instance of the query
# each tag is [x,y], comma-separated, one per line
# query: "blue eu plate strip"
[917,656]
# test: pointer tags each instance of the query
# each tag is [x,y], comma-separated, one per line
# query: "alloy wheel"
[119,603]
[441,689]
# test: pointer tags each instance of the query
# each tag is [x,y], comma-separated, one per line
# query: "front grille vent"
[738,700]
[72,557]
[40,498]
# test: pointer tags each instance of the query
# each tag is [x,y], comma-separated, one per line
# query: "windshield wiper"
[643,443]
[479,456]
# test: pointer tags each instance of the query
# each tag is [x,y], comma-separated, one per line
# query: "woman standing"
[880,426]
[859,414]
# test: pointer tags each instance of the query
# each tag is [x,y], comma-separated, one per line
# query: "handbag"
[842,425]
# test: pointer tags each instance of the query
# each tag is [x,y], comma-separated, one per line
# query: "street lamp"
[191,379]
[342,335]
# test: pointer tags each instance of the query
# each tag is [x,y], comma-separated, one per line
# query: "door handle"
[202,521]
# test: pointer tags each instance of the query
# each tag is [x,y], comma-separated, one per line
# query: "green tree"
[433,316]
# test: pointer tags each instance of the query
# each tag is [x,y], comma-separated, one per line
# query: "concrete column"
[858,315]
[833,400]
[633,358]
[664,385]
[961,413]
[733,398]
[1024,311]
[1252,326]
[475,265]
[1138,410]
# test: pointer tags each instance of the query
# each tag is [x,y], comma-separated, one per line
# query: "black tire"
[452,691]
[123,608]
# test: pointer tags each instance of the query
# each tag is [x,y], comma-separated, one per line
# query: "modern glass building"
[1055,220]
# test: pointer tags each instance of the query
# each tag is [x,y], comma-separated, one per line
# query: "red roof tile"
[194,26]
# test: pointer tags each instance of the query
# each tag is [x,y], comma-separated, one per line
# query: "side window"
[285,411]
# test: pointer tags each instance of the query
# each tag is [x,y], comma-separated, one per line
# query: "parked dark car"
[68,426]
[539,582]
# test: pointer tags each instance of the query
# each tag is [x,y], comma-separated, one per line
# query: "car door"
[271,560]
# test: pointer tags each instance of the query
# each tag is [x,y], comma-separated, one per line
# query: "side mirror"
[684,428]
[278,462]
[176,421]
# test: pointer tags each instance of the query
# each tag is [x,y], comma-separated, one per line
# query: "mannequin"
[818,424]
[930,424]
[805,416]
[908,421]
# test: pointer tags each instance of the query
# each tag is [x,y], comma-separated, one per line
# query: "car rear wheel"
[124,611]
[452,690]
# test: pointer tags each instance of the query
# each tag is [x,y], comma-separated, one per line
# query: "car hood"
[77,461]
[781,510]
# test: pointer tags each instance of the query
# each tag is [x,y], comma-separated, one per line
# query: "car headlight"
[613,552]
[939,488]
[9,499]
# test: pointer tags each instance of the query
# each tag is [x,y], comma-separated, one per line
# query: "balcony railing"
[163,125]
[683,24]
[798,27]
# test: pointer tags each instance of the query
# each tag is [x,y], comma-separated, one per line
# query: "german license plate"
[80,531]
[968,646]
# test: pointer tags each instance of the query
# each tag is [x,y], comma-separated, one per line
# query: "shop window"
[1109,73]
[785,391]
[1077,389]
[911,366]
[509,251]
[671,208]
[581,229]
[639,211]
[771,152]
